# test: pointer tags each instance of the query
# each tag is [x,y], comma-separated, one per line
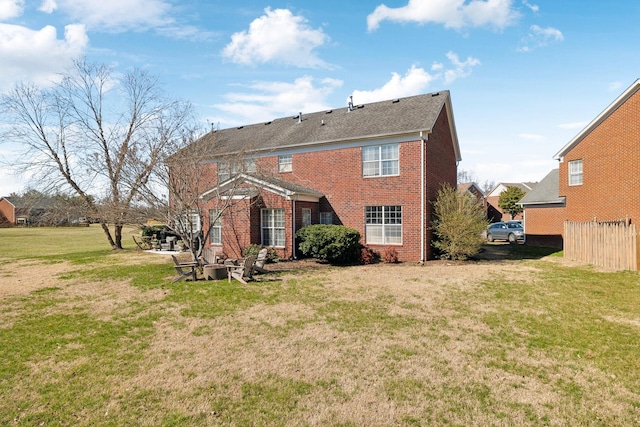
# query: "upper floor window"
[383,224]
[575,172]
[285,163]
[228,169]
[380,160]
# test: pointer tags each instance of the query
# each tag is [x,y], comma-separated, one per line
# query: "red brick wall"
[611,165]
[544,225]
[7,211]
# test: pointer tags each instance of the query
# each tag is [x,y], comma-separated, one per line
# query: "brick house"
[598,173]
[374,167]
[544,213]
[494,211]
[472,189]
[17,211]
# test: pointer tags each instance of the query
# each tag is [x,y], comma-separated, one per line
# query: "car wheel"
[512,238]
[489,237]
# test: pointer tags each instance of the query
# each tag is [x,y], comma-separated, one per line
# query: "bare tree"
[97,134]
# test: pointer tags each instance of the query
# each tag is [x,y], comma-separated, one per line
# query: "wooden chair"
[258,266]
[184,269]
[210,256]
[242,271]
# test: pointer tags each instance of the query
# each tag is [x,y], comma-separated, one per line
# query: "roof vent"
[435,94]
[329,112]
[267,123]
[240,127]
[350,104]
[395,101]
[300,117]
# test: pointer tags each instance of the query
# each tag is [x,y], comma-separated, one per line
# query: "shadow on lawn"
[506,251]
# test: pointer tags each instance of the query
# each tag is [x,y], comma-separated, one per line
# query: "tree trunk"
[107,233]
[118,234]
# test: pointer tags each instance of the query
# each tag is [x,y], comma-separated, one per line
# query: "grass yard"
[91,337]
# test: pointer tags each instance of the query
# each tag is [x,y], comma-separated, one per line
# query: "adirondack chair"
[184,269]
[210,256]
[258,266]
[242,271]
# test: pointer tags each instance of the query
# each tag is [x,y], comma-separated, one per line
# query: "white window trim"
[216,224]
[575,178]
[306,217]
[380,160]
[285,163]
[383,227]
[271,226]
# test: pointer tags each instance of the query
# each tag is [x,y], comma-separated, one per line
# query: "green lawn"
[93,337]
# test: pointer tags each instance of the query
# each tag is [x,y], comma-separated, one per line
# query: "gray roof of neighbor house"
[392,118]
[546,192]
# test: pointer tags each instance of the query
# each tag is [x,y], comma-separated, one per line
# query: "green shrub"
[459,220]
[336,244]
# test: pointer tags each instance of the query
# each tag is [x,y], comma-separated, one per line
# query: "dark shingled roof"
[369,121]
[545,192]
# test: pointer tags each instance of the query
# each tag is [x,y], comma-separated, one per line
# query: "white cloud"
[118,15]
[417,80]
[534,7]
[540,37]
[38,56]
[11,8]
[450,13]
[265,101]
[48,6]
[277,36]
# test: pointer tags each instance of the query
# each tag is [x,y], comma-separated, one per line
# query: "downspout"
[293,228]
[422,198]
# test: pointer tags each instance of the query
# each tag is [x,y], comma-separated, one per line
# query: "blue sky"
[525,76]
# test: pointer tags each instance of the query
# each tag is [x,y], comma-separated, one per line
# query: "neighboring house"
[598,175]
[544,213]
[375,167]
[473,190]
[19,212]
[494,211]
[7,210]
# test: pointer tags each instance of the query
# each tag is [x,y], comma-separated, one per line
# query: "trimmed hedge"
[336,244]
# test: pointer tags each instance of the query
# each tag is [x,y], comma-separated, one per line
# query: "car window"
[514,225]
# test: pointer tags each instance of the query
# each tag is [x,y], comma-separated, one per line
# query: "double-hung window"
[272,226]
[575,172]
[215,227]
[380,160]
[285,163]
[383,225]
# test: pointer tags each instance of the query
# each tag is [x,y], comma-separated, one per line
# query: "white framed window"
[285,163]
[272,225]
[575,172]
[381,160]
[383,225]
[215,227]
[306,217]
[326,218]
[228,169]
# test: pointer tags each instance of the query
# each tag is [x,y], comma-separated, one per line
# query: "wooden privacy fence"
[611,245]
